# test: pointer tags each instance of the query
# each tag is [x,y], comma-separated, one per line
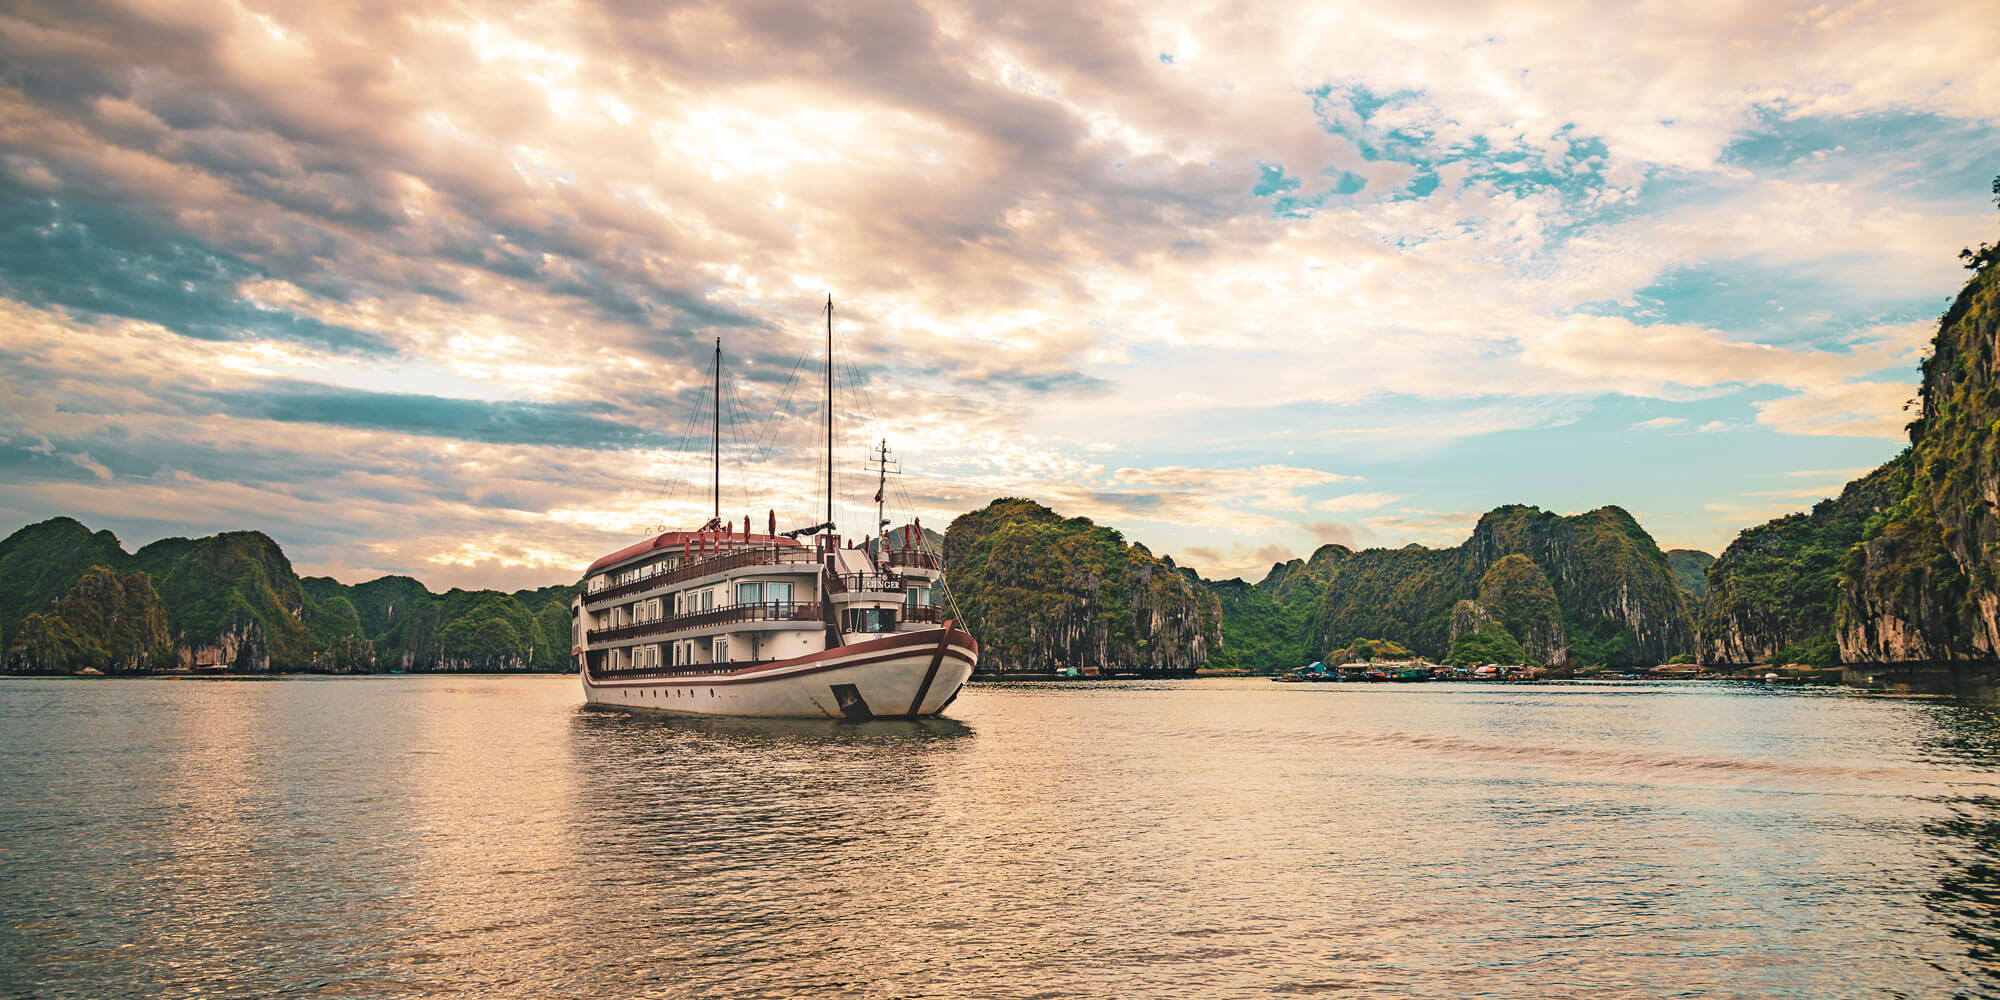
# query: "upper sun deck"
[682,542]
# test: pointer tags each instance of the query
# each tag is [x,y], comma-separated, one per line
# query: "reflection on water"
[1966,841]
[490,836]
[1968,893]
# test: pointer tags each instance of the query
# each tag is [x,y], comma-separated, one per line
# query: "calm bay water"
[489,836]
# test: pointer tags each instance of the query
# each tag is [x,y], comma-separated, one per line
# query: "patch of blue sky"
[1641,452]
[1357,114]
[1273,183]
[1802,305]
[1271,180]
[1917,154]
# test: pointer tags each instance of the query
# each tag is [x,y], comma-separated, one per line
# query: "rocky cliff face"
[1041,591]
[1924,583]
[232,601]
[240,647]
[110,622]
[42,561]
[1606,572]
[1586,589]
[1516,594]
[1903,566]
[1774,593]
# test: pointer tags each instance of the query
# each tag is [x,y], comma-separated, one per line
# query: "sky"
[434,288]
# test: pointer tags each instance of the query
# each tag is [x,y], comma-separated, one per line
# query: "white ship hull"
[905,675]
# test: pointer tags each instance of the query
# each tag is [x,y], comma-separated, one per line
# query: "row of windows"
[634,574]
[679,654]
[747,592]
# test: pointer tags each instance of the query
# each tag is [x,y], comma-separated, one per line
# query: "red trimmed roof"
[679,539]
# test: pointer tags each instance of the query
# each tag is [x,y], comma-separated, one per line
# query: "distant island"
[72,599]
[1899,573]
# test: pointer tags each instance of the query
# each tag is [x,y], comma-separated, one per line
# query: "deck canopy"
[680,540]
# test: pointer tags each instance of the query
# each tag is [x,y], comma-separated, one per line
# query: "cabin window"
[778,593]
[750,593]
[708,600]
[917,597]
[720,649]
[871,619]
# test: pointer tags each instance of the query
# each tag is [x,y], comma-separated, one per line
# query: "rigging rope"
[860,386]
[680,450]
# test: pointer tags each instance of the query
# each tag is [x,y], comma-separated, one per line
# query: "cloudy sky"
[432,288]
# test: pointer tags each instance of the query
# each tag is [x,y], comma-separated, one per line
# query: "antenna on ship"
[882,464]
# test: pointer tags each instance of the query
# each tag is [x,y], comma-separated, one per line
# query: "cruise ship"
[796,624]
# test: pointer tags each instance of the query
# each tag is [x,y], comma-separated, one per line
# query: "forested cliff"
[1904,566]
[1588,589]
[72,599]
[1924,584]
[1042,591]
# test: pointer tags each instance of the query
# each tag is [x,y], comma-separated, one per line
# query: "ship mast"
[715,445]
[829,412]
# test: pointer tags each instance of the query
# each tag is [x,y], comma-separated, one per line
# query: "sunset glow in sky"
[432,289]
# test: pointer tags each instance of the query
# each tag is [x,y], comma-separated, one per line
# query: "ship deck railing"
[700,568]
[767,611]
[915,559]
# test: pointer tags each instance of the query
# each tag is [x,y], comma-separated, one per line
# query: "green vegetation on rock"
[1588,589]
[232,601]
[108,621]
[1690,568]
[1517,594]
[42,561]
[1778,585]
[1924,584]
[1904,565]
[1489,643]
[1042,591]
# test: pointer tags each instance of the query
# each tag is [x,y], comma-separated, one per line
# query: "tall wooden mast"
[829,412]
[715,445]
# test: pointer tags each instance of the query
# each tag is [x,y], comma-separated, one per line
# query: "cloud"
[1355,501]
[1273,553]
[574,424]
[1859,409]
[1839,473]
[1659,423]
[1265,485]
[1332,533]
